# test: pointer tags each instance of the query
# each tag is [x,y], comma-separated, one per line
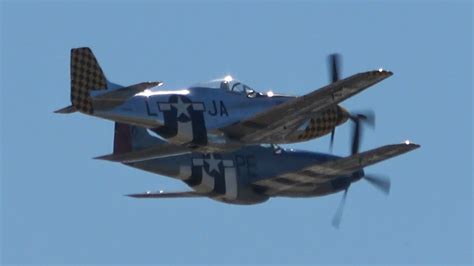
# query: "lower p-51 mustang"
[218,116]
[255,173]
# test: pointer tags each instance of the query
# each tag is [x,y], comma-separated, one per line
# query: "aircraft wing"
[164,195]
[323,172]
[161,150]
[281,120]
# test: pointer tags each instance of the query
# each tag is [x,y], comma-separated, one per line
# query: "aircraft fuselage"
[195,115]
[228,177]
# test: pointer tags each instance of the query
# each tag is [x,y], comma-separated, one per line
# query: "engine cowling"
[320,124]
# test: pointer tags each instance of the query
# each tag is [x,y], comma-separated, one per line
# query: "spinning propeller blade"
[334,65]
[382,183]
[359,119]
[368,118]
[334,61]
[333,132]
[336,220]
[356,134]
[379,182]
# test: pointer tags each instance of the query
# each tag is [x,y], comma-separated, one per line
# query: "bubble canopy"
[229,84]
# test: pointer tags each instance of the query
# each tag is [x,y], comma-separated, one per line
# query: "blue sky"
[60,206]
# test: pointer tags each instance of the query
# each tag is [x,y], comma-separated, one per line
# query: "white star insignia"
[181,108]
[213,163]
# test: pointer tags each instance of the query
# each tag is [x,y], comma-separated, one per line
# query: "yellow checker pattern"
[321,125]
[86,75]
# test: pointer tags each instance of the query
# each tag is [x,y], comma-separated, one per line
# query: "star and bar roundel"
[211,173]
[183,119]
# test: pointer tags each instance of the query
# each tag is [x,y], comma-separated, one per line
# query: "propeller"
[331,142]
[334,65]
[334,62]
[358,119]
[368,118]
[379,182]
[336,220]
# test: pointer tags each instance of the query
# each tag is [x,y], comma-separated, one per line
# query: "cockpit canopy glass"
[276,148]
[229,84]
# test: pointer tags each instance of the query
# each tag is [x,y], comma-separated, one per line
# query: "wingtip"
[102,157]
[411,144]
[147,194]
[138,195]
[109,157]
[66,110]
[381,72]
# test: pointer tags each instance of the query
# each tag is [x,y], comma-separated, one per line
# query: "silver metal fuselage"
[228,177]
[196,115]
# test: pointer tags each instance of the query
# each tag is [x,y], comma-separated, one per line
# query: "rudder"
[129,138]
[86,75]
[132,143]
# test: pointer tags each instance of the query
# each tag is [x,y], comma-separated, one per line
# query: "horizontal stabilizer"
[66,110]
[158,151]
[164,195]
[112,98]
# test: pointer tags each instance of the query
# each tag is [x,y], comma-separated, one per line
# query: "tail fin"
[132,143]
[129,138]
[122,138]
[86,75]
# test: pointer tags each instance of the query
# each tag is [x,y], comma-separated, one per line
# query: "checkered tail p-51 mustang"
[211,135]
[221,115]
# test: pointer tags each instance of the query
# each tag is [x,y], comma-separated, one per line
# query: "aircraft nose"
[357,175]
[342,115]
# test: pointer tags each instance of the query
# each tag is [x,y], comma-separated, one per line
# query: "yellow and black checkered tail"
[86,75]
